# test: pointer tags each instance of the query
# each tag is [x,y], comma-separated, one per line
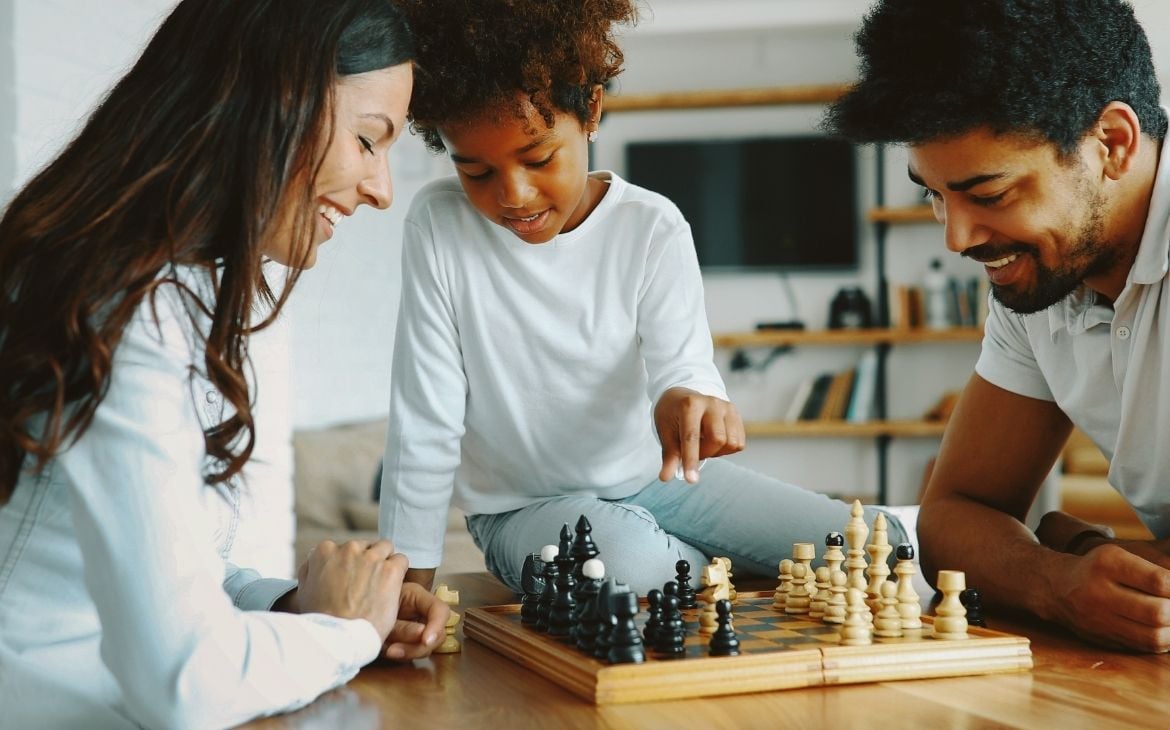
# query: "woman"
[130,269]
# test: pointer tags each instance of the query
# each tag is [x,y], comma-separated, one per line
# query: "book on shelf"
[816,397]
[797,405]
[837,396]
[966,303]
[861,408]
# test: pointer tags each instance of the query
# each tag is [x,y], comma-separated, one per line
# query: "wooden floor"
[1072,685]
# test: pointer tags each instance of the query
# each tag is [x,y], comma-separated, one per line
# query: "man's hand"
[692,426]
[1113,596]
[422,618]
[358,579]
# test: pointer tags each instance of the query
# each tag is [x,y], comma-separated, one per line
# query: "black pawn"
[672,637]
[972,600]
[548,596]
[583,548]
[654,622]
[686,594]
[625,645]
[532,581]
[723,641]
[905,551]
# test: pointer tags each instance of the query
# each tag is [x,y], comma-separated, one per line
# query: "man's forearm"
[998,553]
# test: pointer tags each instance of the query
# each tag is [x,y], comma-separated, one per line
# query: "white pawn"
[784,586]
[888,624]
[950,620]
[857,631]
[820,602]
[450,644]
[731,592]
[798,598]
[909,606]
[835,611]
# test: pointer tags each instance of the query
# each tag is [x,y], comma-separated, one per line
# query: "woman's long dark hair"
[191,159]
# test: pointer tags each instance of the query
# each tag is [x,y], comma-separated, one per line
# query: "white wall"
[58,56]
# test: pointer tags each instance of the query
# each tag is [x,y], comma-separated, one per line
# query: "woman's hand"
[358,579]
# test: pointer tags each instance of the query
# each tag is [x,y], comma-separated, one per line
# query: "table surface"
[1072,685]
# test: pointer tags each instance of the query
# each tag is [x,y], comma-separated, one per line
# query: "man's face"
[1036,221]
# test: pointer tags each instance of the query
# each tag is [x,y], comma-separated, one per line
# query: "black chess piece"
[654,621]
[834,539]
[532,582]
[972,600]
[604,618]
[548,596]
[560,616]
[670,588]
[723,641]
[686,594]
[905,551]
[583,548]
[672,636]
[584,631]
[625,644]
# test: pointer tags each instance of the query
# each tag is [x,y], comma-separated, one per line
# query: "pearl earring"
[592,137]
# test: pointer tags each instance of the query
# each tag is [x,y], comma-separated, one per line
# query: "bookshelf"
[881,338]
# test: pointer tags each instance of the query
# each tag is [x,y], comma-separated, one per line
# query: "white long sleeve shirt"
[117,608]
[523,371]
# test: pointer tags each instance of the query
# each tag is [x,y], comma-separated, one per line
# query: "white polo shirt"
[1107,368]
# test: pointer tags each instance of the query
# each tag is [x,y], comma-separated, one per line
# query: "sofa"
[333,486]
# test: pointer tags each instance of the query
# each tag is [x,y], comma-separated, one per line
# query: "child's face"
[521,174]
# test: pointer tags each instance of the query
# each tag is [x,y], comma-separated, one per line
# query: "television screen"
[782,203]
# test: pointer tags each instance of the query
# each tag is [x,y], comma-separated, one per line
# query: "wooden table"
[1073,685]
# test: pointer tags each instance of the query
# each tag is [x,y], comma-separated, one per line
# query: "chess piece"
[834,556]
[714,582]
[855,533]
[686,593]
[879,550]
[584,632]
[625,645]
[798,598]
[583,548]
[654,618]
[450,644]
[804,553]
[672,635]
[972,600]
[950,618]
[548,555]
[560,615]
[888,624]
[909,606]
[532,583]
[604,618]
[723,641]
[835,611]
[780,596]
[856,631]
[731,594]
[820,601]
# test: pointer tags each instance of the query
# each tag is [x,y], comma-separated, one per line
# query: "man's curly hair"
[476,56]
[1045,68]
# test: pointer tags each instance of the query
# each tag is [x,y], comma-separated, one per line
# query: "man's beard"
[1088,256]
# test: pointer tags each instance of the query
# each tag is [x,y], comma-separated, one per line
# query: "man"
[1035,129]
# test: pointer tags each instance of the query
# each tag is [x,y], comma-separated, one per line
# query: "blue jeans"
[733,512]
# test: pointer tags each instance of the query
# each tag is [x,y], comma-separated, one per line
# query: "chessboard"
[779,651]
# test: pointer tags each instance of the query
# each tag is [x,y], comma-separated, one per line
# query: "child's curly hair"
[475,55]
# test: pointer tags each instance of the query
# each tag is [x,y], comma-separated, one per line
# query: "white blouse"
[117,608]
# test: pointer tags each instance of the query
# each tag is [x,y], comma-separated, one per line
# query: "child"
[129,267]
[553,357]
